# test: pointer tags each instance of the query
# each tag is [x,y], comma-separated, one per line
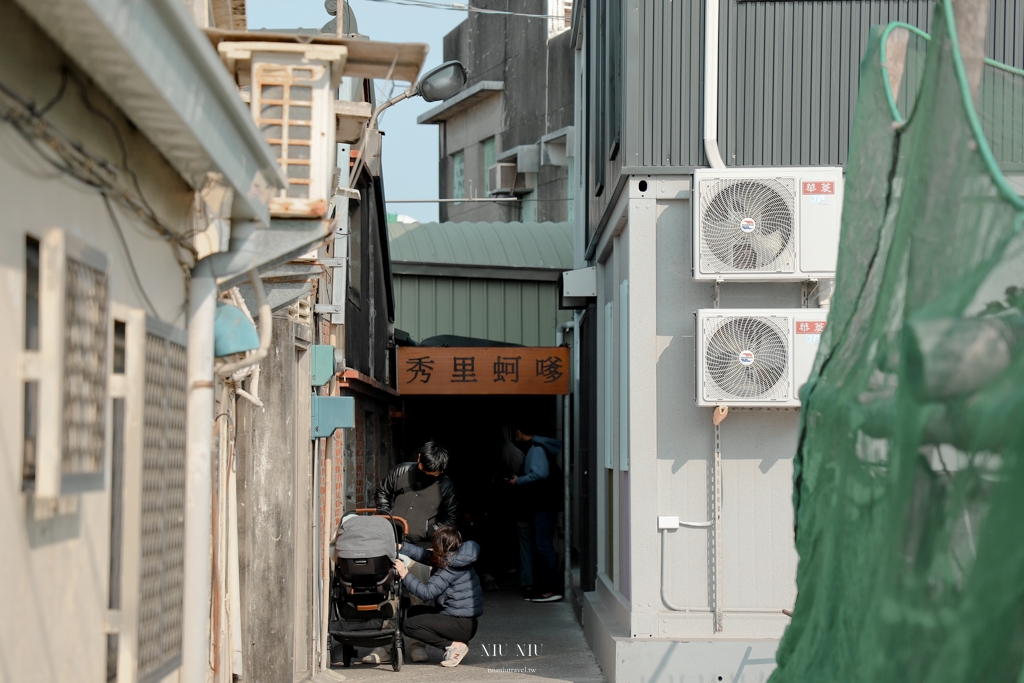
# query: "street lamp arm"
[394,100]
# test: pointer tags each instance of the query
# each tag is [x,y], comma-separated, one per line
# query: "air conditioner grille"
[747,225]
[746,358]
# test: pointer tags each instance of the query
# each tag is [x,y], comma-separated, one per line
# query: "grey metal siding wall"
[1005,41]
[788,74]
[664,99]
[500,310]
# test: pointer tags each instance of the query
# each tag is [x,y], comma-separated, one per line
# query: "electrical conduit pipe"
[202,311]
[566,549]
[711,84]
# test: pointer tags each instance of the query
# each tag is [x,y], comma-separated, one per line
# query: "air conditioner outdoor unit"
[760,224]
[755,357]
[505,179]
[501,179]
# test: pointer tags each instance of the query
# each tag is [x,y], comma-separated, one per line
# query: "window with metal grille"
[459,176]
[85,368]
[285,117]
[161,566]
[65,365]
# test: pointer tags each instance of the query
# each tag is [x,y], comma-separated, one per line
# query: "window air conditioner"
[501,179]
[758,224]
[755,357]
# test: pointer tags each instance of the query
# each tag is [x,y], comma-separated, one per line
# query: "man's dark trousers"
[546,574]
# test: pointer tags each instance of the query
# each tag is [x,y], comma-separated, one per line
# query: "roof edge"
[157,66]
[464,100]
[522,273]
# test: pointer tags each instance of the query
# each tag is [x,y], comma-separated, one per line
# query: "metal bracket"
[806,289]
[326,309]
[333,262]
[717,574]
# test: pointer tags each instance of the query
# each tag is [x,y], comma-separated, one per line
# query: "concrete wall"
[537,72]
[465,132]
[54,569]
[272,501]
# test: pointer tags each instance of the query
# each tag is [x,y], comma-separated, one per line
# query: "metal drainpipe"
[202,313]
[566,549]
[711,84]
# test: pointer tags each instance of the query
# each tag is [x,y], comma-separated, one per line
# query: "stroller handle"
[405,524]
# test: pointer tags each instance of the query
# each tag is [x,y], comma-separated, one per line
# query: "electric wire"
[59,94]
[118,137]
[128,255]
[459,7]
[70,157]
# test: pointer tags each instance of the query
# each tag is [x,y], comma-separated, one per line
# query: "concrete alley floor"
[510,623]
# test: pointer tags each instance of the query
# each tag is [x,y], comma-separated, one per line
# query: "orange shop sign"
[483,370]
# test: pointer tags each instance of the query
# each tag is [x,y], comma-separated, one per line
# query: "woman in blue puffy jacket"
[453,586]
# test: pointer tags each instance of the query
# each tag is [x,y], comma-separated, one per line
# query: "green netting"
[909,488]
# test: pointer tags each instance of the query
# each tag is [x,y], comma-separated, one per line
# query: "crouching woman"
[454,587]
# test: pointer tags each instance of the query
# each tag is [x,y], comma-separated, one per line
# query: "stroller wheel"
[347,654]
[396,654]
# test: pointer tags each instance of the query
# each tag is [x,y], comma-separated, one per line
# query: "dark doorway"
[470,427]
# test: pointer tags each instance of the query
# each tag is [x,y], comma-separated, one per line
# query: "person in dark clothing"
[421,494]
[454,586]
[542,485]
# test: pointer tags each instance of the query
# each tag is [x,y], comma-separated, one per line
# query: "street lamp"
[438,84]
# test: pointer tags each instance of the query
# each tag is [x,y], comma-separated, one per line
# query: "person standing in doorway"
[542,488]
[421,494]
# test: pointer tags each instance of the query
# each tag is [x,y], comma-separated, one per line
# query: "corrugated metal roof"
[503,245]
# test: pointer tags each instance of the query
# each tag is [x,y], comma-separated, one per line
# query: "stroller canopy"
[366,537]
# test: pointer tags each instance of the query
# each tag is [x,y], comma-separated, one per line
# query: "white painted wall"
[671,444]
[54,564]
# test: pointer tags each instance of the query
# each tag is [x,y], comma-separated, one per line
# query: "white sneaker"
[454,653]
[378,655]
[417,651]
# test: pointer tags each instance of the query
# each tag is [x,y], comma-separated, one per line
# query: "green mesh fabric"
[909,482]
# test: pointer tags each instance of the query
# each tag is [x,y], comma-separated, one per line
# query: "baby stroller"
[366,601]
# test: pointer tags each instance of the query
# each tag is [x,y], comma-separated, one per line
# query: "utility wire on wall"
[71,158]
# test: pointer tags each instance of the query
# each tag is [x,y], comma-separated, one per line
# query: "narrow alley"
[517,641]
[556,341]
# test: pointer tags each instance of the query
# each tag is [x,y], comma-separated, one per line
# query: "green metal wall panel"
[501,310]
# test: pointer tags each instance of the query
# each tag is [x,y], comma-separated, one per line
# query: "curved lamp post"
[438,84]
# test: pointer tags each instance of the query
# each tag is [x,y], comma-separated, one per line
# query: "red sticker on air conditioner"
[810,326]
[819,187]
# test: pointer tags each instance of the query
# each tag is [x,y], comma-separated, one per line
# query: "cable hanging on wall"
[70,158]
